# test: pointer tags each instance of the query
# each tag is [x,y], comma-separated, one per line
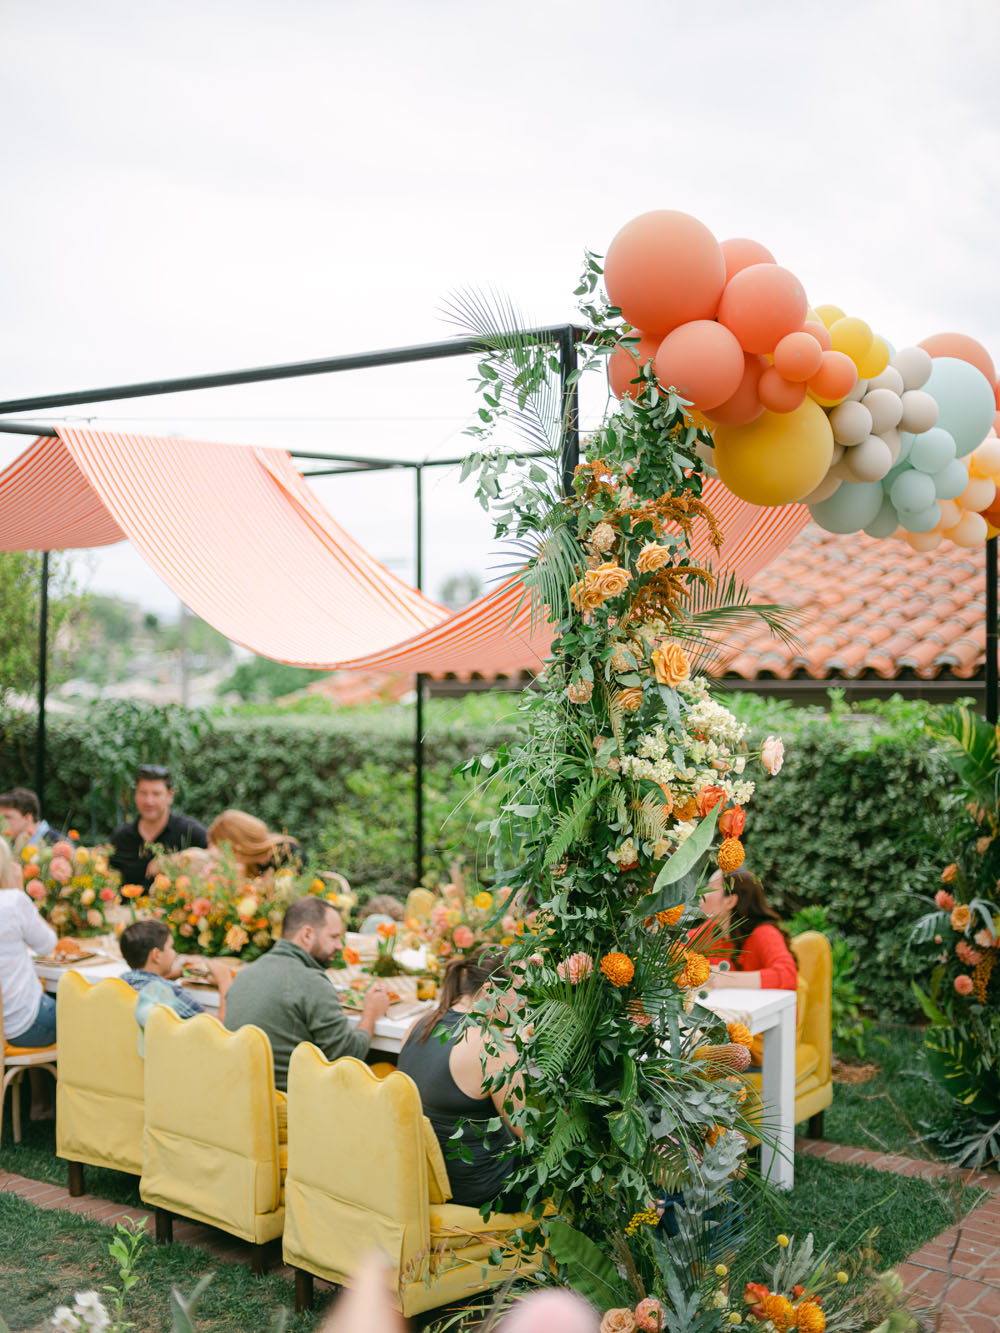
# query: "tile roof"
[869,608]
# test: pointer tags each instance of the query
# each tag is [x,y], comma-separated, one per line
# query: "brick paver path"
[957,1273]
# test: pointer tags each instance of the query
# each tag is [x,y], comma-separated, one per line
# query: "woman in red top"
[753,938]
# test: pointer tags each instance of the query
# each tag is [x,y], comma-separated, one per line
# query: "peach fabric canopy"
[493,636]
[233,530]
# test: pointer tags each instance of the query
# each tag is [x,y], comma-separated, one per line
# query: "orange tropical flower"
[73,835]
[960,916]
[669,917]
[739,1033]
[386,929]
[131,890]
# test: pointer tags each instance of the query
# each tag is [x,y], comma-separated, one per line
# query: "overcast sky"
[201,186]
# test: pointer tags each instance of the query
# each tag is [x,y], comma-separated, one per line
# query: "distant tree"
[459,590]
[20,599]
[263,679]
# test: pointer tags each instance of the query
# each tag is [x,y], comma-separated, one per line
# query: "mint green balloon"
[924,520]
[851,507]
[885,522]
[965,402]
[931,450]
[911,492]
[951,481]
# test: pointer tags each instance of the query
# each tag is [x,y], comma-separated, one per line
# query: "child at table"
[148,948]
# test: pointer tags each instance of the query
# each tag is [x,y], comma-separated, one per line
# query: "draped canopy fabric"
[233,530]
[494,636]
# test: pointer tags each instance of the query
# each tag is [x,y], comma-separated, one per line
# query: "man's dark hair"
[23,801]
[153,773]
[307,911]
[140,939]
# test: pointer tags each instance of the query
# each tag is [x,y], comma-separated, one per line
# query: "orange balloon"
[663,269]
[835,378]
[740,253]
[623,365]
[778,394]
[797,356]
[744,406]
[992,513]
[761,304]
[962,348]
[702,361]
[819,331]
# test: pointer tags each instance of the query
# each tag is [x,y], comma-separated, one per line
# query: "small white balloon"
[895,442]
[838,453]
[870,460]
[915,365]
[841,471]
[920,411]
[822,492]
[889,379]
[886,409]
[851,422]
[858,392]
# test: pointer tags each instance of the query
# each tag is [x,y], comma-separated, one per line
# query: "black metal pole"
[991,631]
[43,661]
[570,406]
[418,739]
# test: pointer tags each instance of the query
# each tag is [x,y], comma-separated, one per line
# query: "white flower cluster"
[88,1312]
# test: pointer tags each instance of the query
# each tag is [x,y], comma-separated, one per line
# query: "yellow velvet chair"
[814,1031]
[15,1061]
[419,903]
[366,1172]
[211,1149]
[99,1096]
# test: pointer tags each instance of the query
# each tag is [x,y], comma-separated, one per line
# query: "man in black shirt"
[157,824]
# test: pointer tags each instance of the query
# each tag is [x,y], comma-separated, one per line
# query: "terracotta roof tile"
[867,608]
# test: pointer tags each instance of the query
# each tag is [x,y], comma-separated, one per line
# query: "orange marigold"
[810,1318]
[779,1310]
[739,1033]
[731,855]
[618,968]
[697,970]
[669,917]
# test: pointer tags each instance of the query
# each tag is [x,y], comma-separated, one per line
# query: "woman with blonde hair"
[29,1015]
[253,847]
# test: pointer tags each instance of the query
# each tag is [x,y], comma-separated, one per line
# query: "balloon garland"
[807,404]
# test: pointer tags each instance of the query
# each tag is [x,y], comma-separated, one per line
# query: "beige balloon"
[870,460]
[886,408]
[920,411]
[851,422]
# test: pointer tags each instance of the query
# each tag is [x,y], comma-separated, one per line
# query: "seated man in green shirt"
[289,995]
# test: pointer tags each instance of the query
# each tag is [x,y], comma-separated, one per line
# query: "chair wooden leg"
[164,1226]
[76,1185]
[303,1290]
[258,1260]
[816,1125]
[15,1105]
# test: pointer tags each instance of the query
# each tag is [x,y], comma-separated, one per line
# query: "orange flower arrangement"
[731,855]
[131,890]
[949,873]
[351,956]
[618,968]
[697,970]
[732,822]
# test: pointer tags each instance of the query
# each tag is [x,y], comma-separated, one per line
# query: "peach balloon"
[761,304]
[978,495]
[835,378]
[779,394]
[950,514]
[923,541]
[701,360]
[985,461]
[962,348]
[818,331]
[777,459]
[740,253]
[797,356]
[969,531]
[745,405]
[624,364]
[663,269]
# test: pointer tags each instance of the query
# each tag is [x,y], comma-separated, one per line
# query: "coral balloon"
[777,459]
[701,360]
[818,331]
[744,406]
[829,314]
[969,531]
[851,336]
[624,364]
[835,378]
[962,348]
[761,304]
[663,269]
[740,253]
[797,356]
[778,394]
[875,360]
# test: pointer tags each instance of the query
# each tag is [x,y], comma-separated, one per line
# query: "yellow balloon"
[829,314]
[852,336]
[875,359]
[778,458]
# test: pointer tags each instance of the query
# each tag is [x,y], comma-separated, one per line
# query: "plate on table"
[85,956]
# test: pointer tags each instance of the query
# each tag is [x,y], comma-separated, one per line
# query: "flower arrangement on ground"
[73,886]
[960,941]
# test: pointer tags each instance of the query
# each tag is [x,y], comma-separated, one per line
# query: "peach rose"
[182,883]
[944,900]
[670,664]
[107,895]
[62,848]
[960,916]
[618,1321]
[649,1315]
[580,691]
[584,597]
[652,556]
[963,984]
[60,869]
[732,822]
[985,939]
[160,883]
[949,873]
[86,897]
[608,580]
[236,938]
[969,956]
[772,755]
[187,930]
[36,889]
[630,700]
[708,799]
[982,845]
[463,937]
[201,907]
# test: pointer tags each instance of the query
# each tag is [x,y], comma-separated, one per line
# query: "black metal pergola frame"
[565,337]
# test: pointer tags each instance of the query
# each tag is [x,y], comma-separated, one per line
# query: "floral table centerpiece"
[73,886]
[462,920]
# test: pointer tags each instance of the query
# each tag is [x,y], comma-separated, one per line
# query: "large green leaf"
[680,864]
[588,1269]
[950,1069]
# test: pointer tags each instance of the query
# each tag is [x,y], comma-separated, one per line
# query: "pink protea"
[944,900]
[967,953]
[963,984]
[649,1315]
[575,968]
[60,869]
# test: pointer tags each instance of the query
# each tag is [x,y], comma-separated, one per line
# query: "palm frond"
[721,606]
[572,821]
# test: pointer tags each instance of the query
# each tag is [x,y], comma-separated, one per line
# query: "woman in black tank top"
[433,1048]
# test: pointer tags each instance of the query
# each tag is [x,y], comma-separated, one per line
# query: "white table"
[389,1032]
[770,1013]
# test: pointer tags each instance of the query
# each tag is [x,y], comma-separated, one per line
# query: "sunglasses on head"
[157,771]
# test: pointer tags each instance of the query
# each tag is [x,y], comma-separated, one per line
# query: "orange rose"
[671,664]
[351,956]
[630,700]
[652,556]
[708,799]
[732,822]
[584,597]
[608,580]
[960,917]
[949,873]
